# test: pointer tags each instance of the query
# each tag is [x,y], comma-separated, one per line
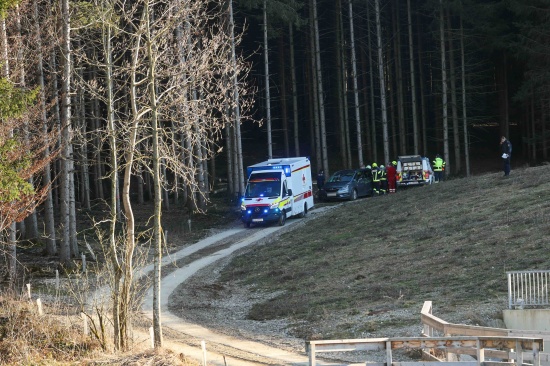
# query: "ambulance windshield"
[263,185]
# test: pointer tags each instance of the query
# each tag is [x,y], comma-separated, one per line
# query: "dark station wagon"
[347,184]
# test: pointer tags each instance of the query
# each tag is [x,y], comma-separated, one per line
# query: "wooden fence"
[487,345]
[480,347]
[433,325]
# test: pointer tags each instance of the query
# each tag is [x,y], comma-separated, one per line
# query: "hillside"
[365,268]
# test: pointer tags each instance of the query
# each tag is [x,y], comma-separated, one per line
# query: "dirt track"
[222,349]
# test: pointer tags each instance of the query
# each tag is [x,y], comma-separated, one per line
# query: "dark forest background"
[109,104]
[504,48]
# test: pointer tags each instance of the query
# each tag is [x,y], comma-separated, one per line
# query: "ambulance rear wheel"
[282,219]
[304,212]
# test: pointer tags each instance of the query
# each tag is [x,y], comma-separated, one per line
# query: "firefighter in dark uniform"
[375,179]
[383,180]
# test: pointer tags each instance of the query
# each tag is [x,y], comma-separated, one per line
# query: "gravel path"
[223,348]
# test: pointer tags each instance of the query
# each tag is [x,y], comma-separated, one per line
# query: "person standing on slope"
[439,167]
[376,175]
[391,174]
[506,150]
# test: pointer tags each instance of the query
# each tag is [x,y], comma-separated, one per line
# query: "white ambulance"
[277,189]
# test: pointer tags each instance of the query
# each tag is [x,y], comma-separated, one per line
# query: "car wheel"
[282,218]
[353,195]
[304,213]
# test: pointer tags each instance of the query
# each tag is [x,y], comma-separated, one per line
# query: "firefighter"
[439,168]
[368,171]
[375,179]
[391,172]
[383,179]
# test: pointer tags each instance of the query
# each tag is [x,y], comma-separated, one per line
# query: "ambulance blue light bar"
[284,168]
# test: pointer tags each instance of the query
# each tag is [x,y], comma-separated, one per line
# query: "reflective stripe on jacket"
[439,164]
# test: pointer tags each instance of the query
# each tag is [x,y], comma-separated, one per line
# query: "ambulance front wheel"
[282,219]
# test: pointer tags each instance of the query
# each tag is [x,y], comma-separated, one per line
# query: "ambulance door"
[286,197]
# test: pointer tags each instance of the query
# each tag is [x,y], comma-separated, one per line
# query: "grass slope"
[451,243]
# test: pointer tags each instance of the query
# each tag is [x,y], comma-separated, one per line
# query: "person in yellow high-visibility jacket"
[439,168]
[383,180]
[376,175]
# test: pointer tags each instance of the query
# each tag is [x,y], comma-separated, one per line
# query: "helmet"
[394,162]
[368,167]
[374,165]
[381,166]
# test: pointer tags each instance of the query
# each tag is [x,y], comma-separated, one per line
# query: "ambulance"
[277,189]
[413,170]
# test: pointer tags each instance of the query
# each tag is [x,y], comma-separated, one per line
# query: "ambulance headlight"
[273,206]
[266,210]
[243,207]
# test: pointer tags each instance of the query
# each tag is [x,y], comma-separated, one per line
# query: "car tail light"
[399,176]
[426,174]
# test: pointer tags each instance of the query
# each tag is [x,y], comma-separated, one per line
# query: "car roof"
[344,171]
[407,158]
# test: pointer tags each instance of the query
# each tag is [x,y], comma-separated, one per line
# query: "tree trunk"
[371,84]
[72,206]
[237,112]
[11,235]
[229,152]
[444,87]
[464,114]
[454,104]
[49,219]
[315,94]
[12,262]
[267,94]
[66,136]
[399,81]
[284,117]
[422,95]
[157,227]
[340,83]
[355,89]
[294,91]
[31,222]
[413,80]
[113,201]
[320,92]
[83,152]
[382,82]
[502,87]
[367,146]
[98,181]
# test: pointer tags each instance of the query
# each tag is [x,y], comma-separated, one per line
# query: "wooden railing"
[480,347]
[432,325]
[502,346]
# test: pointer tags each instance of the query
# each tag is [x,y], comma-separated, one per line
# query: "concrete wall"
[528,319]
